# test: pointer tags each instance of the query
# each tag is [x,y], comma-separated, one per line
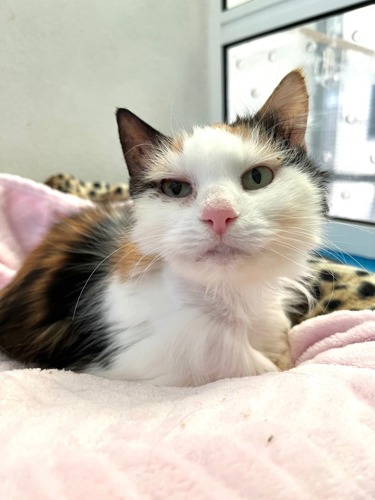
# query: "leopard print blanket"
[98,191]
[334,286]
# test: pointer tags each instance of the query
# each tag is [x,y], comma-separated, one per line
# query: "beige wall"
[65,65]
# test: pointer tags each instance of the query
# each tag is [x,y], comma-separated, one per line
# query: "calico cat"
[187,285]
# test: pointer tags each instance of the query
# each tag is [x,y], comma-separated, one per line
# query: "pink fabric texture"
[308,433]
[27,210]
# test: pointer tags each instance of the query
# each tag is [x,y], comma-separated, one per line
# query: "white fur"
[199,317]
[175,335]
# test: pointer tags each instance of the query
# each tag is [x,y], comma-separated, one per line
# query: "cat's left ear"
[138,141]
[289,104]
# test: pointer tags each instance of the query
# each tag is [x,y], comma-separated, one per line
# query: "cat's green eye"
[257,178]
[176,189]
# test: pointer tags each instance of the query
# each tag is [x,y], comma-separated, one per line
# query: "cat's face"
[228,200]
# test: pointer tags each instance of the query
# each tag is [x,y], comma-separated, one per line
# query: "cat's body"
[186,286]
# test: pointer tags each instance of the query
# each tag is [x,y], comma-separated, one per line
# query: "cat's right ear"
[289,103]
[138,141]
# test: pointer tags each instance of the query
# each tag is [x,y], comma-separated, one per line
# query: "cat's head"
[229,200]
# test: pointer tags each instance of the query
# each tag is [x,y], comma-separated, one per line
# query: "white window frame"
[258,17]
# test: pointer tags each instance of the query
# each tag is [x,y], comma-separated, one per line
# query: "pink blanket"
[27,209]
[308,433]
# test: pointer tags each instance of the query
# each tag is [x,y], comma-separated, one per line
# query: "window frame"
[263,17]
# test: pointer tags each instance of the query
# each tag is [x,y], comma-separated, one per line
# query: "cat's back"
[49,314]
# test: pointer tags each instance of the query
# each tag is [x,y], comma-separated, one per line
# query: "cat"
[187,285]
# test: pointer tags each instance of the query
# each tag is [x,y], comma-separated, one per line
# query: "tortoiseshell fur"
[43,318]
[179,290]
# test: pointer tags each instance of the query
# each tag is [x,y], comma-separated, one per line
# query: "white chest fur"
[171,332]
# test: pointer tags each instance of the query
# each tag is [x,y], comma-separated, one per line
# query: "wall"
[66,65]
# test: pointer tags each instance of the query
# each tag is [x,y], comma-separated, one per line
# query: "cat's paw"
[276,343]
[284,362]
[282,356]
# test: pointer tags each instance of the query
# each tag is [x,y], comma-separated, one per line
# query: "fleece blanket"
[27,210]
[308,433]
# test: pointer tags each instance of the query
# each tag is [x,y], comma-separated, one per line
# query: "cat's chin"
[222,261]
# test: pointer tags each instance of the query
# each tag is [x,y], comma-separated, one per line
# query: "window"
[337,53]
[230,4]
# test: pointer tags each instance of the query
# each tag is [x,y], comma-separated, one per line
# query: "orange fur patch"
[223,126]
[177,144]
[129,262]
[240,130]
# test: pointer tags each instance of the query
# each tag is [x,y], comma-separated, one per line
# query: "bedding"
[307,433]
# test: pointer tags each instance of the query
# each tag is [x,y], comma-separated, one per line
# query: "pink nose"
[220,218]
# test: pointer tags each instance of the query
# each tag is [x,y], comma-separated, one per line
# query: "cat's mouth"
[221,253]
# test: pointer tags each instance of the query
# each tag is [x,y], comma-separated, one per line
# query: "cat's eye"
[176,189]
[257,178]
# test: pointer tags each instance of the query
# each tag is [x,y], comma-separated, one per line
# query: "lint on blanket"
[307,433]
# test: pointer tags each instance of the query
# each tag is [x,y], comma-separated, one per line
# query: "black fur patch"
[137,186]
